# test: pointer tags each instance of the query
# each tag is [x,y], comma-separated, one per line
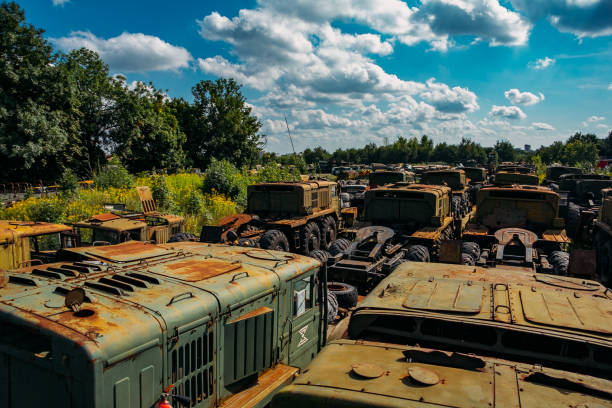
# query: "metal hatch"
[446,296]
[194,270]
[562,309]
[128,251]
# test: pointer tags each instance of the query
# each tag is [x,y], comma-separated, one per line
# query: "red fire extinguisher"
[165,397]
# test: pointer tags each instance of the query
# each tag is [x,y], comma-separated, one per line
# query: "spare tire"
[310,237]
[466,259]
[560,262]
[472,249]
[332,306]
[182,237]
[339,246]
[418,253]
[274,239]
[573,219]
[345,293]
[320,255]
[456,206]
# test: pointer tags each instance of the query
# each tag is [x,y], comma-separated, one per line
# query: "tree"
[505,150]
[36,130]
[147,135]
[219,124]
[580,152]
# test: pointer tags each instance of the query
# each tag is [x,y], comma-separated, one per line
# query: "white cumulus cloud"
[542,126]
[60,2]
[508,112]
[517,97]
[542,63]
[129,52]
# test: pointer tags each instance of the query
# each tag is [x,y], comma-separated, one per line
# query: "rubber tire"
[573,219]
[320,255]
[417,253]
[329,230]
[275,240]
[311,238]
[553,186]
[474,192]
[332,306]
[472,249]
[345,293]
[182,237]
[560,262]
[466,259]
[246,242]
[456,206]
[338,246]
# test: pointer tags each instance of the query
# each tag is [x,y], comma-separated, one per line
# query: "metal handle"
[180,297]
[236,276]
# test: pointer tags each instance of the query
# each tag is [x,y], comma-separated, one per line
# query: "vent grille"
[191,369]
[248,346]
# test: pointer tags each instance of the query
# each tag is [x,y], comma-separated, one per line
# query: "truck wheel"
[560,262]
[573,219]
[345,293]
[417,253]
[328,231]
[311,238]
[472,249]
[274,239]
[456,205]
[182,237]
[338,246]
[466,259]
[320,255]
[332,306]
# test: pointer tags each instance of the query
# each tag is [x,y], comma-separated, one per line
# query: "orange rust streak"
[253,313]
[123,249]
[196,270]
[105,217]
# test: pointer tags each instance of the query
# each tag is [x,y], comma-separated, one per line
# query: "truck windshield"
[91,235]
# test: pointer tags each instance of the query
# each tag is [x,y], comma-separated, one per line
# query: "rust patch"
[105,217]
[252,313]
[197,270]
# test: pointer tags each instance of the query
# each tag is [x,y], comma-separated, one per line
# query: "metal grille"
[314,197]
[191,366]
[248,346]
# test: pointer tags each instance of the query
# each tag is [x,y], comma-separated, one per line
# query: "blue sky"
[351,72]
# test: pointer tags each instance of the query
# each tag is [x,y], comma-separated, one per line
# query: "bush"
[68,184]
[161,192]
[222,177]
[271,172]
[113,175]
[46,210]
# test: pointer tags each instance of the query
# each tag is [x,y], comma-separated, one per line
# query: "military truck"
[25,242]
[133,324]
[124,225]
[582,199]
[518,226]
[296,217]
[476,177]
[554,172]
[436,335]
[382,177]
[602,238]
[402,221]
[509,175]
[461,203]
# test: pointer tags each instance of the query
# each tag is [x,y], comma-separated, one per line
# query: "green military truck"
[382,177]
[120,225]
[437,335]
[602,238]
[299,217]
[123,325]
[554,172]
[515,175]
[455,179]
[402,221]
[518,226]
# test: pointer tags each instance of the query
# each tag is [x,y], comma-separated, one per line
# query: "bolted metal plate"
[447,296]
[368,370]
[423,375]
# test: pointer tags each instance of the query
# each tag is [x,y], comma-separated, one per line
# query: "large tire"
[466,259]
[182,237]
[474,192]
[573,219]
[338,246]
[560,262]
[472,249]
[274,239]
[311,238]
[320,255]
[329,230]
[417,253]
[345,293]
[332,306]
[456,206]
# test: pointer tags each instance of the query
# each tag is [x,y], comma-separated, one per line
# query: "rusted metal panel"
[194,270]
[105,217]
[146,199]
[445,296]
[556,236]
[583,263]
[127,251]
[450,252]
[8,229]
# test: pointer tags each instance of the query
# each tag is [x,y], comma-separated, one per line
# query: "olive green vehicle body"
[120,226]
[475,175]
[453,178]
[383,177]
[554,172]
[508,178]
[581,188]
[440,335]
[290,199]
[223,324]
[25,242]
